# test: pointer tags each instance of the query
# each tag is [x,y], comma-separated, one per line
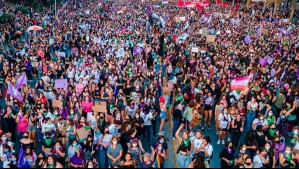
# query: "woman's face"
[27,151]
[50,160]
[185,135]
[128,157]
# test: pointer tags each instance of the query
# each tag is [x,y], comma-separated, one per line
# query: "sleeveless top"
[135,154]
[238,124]
[183,147]
[220,109]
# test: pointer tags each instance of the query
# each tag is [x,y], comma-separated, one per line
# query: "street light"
[55,8]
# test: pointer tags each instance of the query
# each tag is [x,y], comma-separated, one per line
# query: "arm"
[290,111]
[178,132]
[141,147]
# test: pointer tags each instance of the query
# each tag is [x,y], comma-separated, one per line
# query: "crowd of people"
[103,83]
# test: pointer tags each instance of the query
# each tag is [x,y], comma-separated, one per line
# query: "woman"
[260,136]
[227,156]
[271,119]
[133,137]
[26,141]
[242,152]
[248,163]
[59,153]
[224,125]
[114,153]
[9,122]
[61,130]
[218,110]
[30,157]
[135,152]
[48,144]
[208,106]
[260,121]
[184,150]
[72,150]
[40,161]
[148,117]
[128,162]
[252,107]
[261,159]
[286,158]
[77,160]
[282,120]
[14,160]
[148,161]
[52,163]
[103,143]
[71,132]
[6,154]
[87,105]
[187,114]
[32,120]
[199,162]
[138,124]
[176,117]
[163,109]
[237,129]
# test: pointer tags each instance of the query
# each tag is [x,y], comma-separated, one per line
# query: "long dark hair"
[199,160]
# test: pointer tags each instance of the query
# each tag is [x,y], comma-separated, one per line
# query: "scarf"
[186,142]
[48,141]
[272,132]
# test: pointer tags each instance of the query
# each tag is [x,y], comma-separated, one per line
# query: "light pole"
[55,8]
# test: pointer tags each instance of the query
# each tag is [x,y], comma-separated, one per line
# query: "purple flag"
[259,31]
[22,80]
[22,162]
[269,60]
[282,30]
[263,62]
[137,51]
[61,83]
[14,92]
[148,9]
[247,39]
[279,36]
[298,72]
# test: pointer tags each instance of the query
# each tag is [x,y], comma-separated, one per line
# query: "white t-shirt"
[257,122]
[224,119]
[197,143]
[253,106]
[46,80]
[147,118]
[258,161]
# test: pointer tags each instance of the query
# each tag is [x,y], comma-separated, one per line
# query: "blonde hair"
[166,91]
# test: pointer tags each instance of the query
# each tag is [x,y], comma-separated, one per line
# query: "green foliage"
[24,10]
[5,18]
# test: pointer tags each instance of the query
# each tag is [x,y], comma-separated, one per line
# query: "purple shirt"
[76,160]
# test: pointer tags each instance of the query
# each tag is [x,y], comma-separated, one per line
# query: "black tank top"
[238,124]
[183,147]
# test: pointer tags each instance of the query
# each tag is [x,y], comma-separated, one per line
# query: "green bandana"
[186,142]
[48,141]
[50,165]
[101,121]
[72,116]
[87,127]
[272,132]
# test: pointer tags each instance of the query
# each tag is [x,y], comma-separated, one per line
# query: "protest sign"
[100,108]
[194,50]
[61,83]
[57,103]
[82,133]
[211,38]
